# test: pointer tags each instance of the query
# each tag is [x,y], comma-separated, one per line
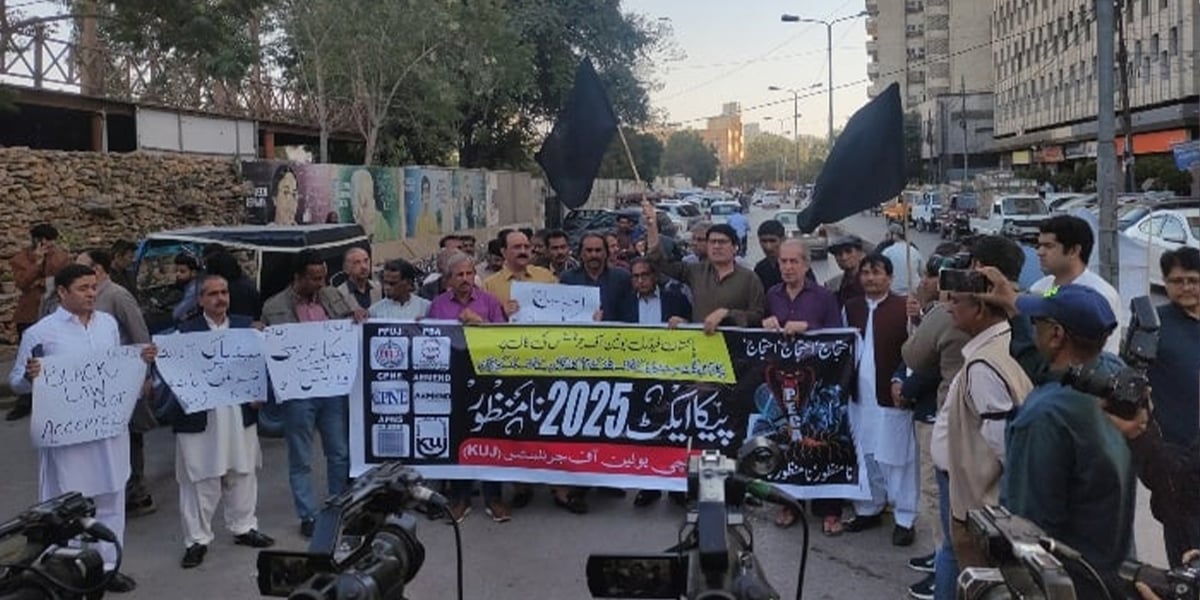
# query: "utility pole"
[1106,153]
[828,53]
[1127,158]
[962,93]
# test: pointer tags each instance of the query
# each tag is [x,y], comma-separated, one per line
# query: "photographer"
[1173,377]
[1144,590]
[1068,469]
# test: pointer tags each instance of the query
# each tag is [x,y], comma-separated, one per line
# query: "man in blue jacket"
[217,454]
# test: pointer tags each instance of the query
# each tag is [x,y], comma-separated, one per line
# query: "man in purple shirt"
[795,306]
[470,305]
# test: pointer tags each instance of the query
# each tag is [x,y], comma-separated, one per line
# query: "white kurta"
[885,432]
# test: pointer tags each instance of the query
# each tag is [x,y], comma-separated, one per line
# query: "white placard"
[86,397]
[555,303]
[311,360]
[208,369]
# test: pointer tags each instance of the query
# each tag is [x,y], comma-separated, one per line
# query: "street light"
[795,115]
[828,50]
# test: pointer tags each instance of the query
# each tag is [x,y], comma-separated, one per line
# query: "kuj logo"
[389,353]
[433,436]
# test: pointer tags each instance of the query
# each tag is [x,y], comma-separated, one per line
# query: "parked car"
[1057,202]
[719,212]
[682,214]
[1015,216]
[606,221]
[770,200]
[817,242]
[578,218]
[1170,226]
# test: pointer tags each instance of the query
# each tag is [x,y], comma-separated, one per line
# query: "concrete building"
[1044,56]
[929,47]
[954,124]
[751,131]
[724,133]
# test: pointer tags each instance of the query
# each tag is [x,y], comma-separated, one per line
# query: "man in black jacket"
[217,451]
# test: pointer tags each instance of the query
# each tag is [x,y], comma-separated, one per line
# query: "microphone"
[424,494]
[98,530]
[765,491]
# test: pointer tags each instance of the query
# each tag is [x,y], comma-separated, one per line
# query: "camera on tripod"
[715,559]
[364,543]
[36,560]
[1124,388]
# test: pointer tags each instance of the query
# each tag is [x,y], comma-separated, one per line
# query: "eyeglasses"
[1183,281]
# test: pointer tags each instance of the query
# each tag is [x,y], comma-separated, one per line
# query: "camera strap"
[994,415]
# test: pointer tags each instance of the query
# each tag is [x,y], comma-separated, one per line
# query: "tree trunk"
[369,147]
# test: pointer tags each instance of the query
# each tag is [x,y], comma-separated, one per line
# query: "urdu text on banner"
[209,369]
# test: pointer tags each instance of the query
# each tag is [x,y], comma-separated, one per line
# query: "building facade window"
[1173,41]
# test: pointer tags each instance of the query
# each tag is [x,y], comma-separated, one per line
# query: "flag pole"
[629,157]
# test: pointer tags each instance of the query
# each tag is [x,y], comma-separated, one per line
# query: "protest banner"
[603,405]
[311,360]
[86,397]
[209,369]
[553,303]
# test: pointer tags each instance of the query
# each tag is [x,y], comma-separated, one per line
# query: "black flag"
[866,165]
[572,153]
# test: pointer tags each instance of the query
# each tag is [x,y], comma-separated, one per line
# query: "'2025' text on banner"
[601,404]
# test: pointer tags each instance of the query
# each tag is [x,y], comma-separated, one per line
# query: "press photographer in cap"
[1067,467]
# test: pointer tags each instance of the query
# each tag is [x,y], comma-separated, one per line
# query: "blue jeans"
[330,417]
[460,490]
[945,567]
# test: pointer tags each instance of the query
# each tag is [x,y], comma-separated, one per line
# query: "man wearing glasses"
[1175,386]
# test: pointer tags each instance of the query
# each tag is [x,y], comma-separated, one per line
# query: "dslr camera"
[1125,389]
[715,559]
[38,563]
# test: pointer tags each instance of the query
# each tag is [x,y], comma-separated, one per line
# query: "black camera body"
[1125,390]
[36,541]
[1180,583]
[715,560]
[1023,567]
[364,544]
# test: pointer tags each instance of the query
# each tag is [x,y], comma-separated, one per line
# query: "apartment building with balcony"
[1044,56]
[930,47]
[724,134]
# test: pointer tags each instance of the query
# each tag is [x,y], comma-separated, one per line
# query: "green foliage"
[647,153]
[772,160]
[686,154]
[1160,172]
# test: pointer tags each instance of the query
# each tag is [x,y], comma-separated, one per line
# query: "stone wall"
[94,199]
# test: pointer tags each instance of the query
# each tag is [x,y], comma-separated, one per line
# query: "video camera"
[364,543]
[715,559]
[1125,389]
[35,562]
[1029,564]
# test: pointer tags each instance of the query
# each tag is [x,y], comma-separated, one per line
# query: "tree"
[688,155]
[1161,174]
[647,153]
[309,54]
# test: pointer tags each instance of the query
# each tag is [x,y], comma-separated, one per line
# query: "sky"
[733,50]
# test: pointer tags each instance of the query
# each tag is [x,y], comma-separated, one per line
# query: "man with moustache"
[617,302]
[517,257]
[98,469]
[217,455]
[882,422]
[398,300]
[558,253]
[847,250]
[359,288]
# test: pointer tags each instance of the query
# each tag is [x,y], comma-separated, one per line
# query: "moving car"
[1170,226]
[719,211]
[817,242]
[1016,216]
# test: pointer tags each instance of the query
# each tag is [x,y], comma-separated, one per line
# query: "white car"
[683,214]
[816,241]
[718,212]
[1169,228]
[771,200]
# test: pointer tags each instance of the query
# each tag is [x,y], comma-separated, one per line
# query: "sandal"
[785,518]
[832,527]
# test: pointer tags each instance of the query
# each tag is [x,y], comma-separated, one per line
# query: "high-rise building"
[929,47]
[751,131]
[724,134]
[1044,56]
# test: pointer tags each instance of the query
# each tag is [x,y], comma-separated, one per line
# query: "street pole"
[829,55]
[796,131]
[1130,181]
[963,94]
[1106,152]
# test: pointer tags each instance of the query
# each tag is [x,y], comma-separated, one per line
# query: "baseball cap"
[1081,310]
[846,241]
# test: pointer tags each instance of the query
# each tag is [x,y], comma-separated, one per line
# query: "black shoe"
[139,506]
[522,495]
[18,412]
[194,556]
[120,584]
[646,498]
[306,527]
[255,539]
[679,498]
[573,503]
[923,589]
[903,536]
[923,564]
[858,524]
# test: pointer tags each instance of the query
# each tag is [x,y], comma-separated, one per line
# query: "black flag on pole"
[572,153]
[866,165]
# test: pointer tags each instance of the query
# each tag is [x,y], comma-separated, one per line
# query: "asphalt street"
[541,553]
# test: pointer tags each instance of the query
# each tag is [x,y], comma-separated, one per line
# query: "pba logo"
[431,353]
[389,353]
[432,437]
[390,398]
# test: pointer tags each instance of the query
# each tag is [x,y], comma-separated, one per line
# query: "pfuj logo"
[389,353]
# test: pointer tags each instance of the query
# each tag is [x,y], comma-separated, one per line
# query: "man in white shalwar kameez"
[217,455]
[97,469]
[880,418]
